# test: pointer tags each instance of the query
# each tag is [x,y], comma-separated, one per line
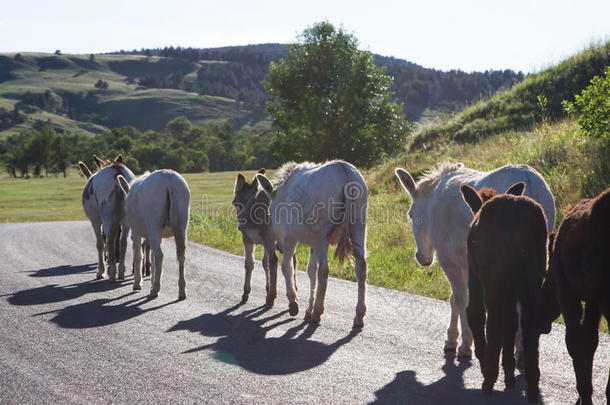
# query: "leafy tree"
[332,101]
[593,105]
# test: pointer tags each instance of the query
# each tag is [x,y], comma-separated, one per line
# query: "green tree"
[332,101]
[592,106]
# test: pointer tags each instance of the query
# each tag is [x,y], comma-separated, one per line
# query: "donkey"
[102,204]
[252,208]
[157,206]
[507,257]
[440,222]
[100,163]
[580,270]
[317,205]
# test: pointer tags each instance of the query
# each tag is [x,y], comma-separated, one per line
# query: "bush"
[593,106]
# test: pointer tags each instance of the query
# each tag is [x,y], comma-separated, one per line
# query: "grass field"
[213,223]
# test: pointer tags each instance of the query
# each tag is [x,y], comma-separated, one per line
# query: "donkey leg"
[361,271]
[459,302]
[111,244]
[180,239]
[476,317]
[136,242]
[531,336]
[123,250]
[99,244]
[578,342]
[494,344]
[157,256]
[249,265]
[312,272]
[293,306]
[295,266]
[146,260]
[272,270]
[508,345]
[321,251]
[519,356]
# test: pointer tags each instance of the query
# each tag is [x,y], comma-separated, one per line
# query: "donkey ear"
[471,197]
[265,184]
[261,171]
[516,189]
[406,180]
[118,159]
[123,183]
[84,170]
[240,180]
[98,162]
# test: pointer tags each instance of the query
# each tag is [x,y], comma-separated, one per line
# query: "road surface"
[66,338]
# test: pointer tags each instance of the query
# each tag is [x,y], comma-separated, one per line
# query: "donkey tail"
[340,236]
[350,234]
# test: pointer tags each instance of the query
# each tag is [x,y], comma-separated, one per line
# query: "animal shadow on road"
[98,312]
[243,341]
[56,293]
[405,389]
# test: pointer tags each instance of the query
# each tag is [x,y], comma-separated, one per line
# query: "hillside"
[535,100]
[148,88]
[524,125]
[61,90]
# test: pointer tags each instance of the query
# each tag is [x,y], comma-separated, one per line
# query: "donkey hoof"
[122,277]
[269,302]
[464,354]
[358,322]
[153,294]
[99,276]
[487,387]
[137,287]
[244,298]
[450,347]
[181,297]
[293,308]
[509,382]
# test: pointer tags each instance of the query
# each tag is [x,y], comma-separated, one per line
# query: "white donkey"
[440,221]
[102,200]
[157,206]
[318,205]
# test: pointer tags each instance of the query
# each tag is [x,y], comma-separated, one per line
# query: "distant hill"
[538,98]
[148,88]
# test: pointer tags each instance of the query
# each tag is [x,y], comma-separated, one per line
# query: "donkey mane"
[283,173]
[432,176]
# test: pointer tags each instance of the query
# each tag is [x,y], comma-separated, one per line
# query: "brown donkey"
[580,270]
[507,256]
[254,223]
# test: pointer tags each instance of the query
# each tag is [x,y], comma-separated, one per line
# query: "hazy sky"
[525,35]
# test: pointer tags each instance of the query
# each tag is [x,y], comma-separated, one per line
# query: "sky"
[471,35]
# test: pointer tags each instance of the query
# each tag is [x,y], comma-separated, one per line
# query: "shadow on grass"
[405,389]
[243,341]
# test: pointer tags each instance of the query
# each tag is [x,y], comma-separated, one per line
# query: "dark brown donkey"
[254,223]
[580,269]
[507,257]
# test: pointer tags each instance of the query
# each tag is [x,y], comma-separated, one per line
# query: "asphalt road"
[66,338]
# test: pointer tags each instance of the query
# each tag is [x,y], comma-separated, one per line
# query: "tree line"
[181,146]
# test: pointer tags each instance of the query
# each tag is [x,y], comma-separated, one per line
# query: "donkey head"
[475,199]
[419,216]
[244,196]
